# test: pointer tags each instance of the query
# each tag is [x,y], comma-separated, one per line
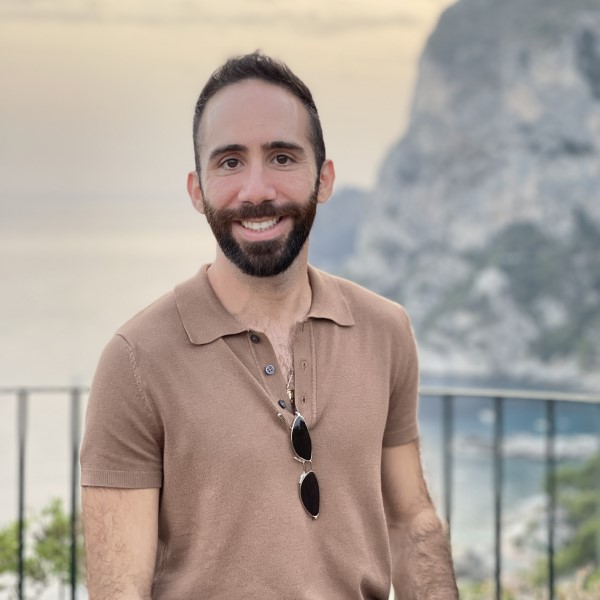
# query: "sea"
[68,283]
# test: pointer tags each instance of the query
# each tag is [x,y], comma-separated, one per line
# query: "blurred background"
[465,137]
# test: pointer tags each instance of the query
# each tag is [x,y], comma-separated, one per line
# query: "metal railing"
[499,397]
[449,396]
[23,395]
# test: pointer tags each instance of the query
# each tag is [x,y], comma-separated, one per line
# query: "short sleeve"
[401,426]
[122,442]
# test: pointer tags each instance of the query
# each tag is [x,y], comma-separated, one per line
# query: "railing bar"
[551,474]
[22,401]
[448,441]
[42,389]
[75,409]
[498,483]
[508,393]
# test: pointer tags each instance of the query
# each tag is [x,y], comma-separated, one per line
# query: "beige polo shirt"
[187,400]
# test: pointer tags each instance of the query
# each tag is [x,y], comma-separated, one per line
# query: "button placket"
[305,403]
[268,368]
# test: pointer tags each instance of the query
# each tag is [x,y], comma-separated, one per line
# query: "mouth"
[260,224]
[262,229]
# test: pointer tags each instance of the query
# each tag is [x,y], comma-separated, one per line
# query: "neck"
[263,302]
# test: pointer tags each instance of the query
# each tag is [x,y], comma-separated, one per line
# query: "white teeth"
[260,226]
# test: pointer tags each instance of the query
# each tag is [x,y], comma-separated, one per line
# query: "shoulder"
[379,325]
[365,305]
[156,321]
[143,341]
[186,316]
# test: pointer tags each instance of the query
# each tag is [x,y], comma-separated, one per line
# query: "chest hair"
[281,340]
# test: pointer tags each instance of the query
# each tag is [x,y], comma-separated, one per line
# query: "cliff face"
[485,222]
[335,231]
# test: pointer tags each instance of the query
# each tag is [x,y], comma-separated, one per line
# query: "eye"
[230,163]
[283,159]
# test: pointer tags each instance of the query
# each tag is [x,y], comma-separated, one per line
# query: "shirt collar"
[205,319]
[328,301]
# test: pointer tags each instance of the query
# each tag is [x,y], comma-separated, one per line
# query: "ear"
[195,191]
[326,180]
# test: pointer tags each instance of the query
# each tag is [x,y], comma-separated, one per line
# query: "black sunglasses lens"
[309,493]
[301,439]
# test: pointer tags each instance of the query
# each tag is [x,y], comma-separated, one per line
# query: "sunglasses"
[302,447]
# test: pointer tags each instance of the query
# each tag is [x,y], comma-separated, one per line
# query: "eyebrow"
[276,145]
[219,150]
[281,145]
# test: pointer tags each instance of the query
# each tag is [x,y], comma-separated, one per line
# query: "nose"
[256,186]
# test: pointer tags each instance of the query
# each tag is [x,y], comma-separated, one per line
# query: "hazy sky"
[99,94]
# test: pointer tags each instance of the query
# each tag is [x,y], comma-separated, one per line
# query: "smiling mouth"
[260,225]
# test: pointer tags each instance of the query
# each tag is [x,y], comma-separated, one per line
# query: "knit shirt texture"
[182,400]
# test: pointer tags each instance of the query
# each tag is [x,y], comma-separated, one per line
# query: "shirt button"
[270,370]
[282,403]
[254,338]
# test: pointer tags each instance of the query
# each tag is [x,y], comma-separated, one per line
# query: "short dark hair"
[264,68]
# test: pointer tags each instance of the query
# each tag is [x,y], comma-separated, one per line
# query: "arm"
[121,539]
[421,559]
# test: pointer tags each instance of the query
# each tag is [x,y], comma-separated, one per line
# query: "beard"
[269,257]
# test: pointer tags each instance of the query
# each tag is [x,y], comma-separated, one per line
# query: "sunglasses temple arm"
[284,421]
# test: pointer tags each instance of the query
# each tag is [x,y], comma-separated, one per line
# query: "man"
[260,395]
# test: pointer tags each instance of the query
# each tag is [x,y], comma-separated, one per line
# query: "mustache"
[263,210]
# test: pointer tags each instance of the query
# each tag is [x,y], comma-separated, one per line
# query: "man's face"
[259,188]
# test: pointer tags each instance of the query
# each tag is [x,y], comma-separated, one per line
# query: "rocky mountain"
[335,232]
[485,221]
